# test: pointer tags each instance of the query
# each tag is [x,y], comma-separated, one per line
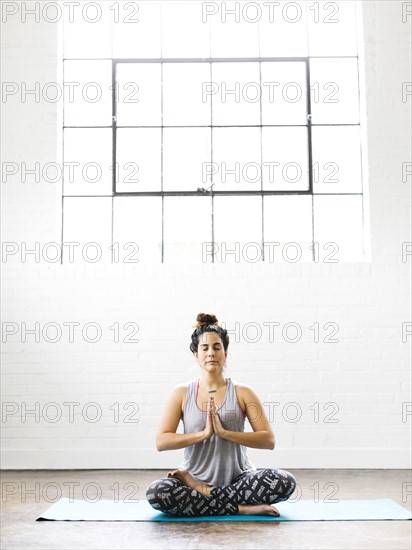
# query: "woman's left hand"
[219,430]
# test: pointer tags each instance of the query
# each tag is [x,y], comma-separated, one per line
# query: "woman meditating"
[216,476]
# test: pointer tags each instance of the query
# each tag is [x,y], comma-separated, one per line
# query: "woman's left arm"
[262,436]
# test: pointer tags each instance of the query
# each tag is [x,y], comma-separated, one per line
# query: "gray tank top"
[215,460]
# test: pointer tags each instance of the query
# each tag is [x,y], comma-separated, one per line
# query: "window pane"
[139,94]
[186,158]
[285,159]
[234,93]
[183,85]
[232,32]
[283,31]
[138,159]
[137,227]
[334,91]
[136,30]
[184,34]
[187,226]
[287,221]
[88,161]
[87,30]
[284,93]
[338,220]
[336,159]
[87,93]
[238,229]
[236,159]
[332,28]
[87,220]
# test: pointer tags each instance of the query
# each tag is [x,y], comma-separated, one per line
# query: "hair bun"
[205,319]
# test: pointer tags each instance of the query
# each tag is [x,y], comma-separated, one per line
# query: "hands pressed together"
[213,424]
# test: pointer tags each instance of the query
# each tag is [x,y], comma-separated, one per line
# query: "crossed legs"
[252,492]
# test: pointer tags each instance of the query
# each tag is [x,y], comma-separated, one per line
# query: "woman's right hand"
[208,431]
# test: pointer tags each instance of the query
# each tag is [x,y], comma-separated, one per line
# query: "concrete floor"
[19,530]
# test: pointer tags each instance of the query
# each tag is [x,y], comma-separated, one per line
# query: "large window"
[213,131]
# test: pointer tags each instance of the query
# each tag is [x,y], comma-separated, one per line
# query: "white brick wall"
[366,374]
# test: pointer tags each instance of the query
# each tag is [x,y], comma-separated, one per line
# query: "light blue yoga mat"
[301,510]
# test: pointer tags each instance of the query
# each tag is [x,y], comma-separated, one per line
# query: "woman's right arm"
[167,439]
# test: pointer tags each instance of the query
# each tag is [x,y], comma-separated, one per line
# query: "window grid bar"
[206,59]
[113,126]
[194,194]
[222,126]
[310,175]
[114,148]
[261,158]
[162,162]
[62,197]
[215,193]
[212,177]
[161,134]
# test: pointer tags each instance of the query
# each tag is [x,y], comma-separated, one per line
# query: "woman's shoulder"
[182,387]
[240,386]
[185,384]
[242,391]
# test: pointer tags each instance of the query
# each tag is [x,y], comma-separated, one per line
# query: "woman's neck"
[210,382]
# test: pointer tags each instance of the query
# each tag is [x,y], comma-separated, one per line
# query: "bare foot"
[258,510]
[187,479]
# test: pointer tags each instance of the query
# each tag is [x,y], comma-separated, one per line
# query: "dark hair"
[207,323]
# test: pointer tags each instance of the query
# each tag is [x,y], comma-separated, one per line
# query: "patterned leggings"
[171,496]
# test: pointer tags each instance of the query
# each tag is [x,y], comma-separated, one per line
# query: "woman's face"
[211,354]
